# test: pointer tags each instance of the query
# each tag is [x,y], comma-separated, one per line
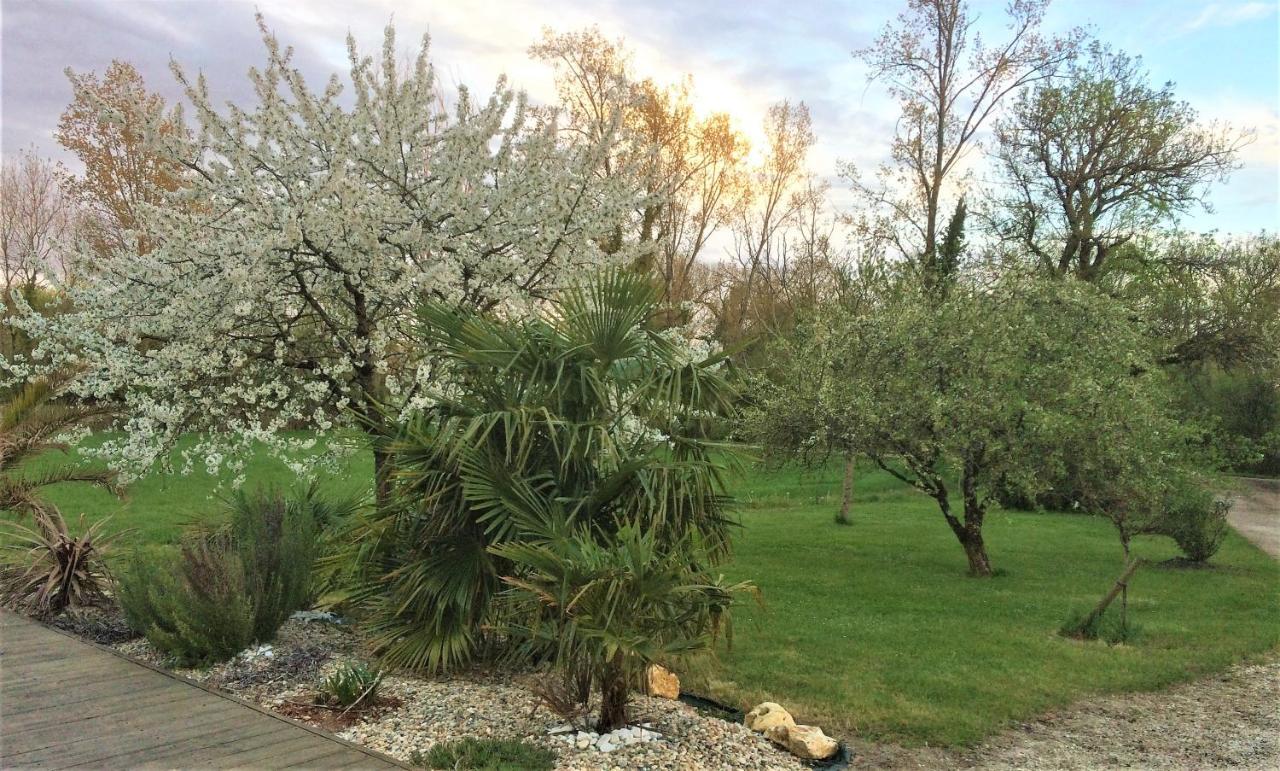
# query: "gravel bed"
[1231,720]
[496,705]
[446,709]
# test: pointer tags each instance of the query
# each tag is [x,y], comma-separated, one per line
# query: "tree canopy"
[282,275]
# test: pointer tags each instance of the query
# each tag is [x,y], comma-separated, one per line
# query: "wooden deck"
[65,703]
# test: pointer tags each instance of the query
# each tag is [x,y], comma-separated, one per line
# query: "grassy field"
[157,508]
[875,628]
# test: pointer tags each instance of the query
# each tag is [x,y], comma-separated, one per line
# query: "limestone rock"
[766,716]
[662,682]
[803,741]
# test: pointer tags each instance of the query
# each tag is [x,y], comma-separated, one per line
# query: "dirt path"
[1256,513]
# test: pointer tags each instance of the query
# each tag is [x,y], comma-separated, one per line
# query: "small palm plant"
[352,684]
[609,607]
[575,423]
[32,424]
[47,568]
[50,569]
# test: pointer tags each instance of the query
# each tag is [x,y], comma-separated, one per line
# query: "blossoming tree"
[280,285]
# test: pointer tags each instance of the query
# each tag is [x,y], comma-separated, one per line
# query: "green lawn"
[875,628]
[156,509]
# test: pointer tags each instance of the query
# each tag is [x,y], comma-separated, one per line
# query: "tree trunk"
[381,473]
[976,550]
[614,690]
[846,492]
[974,514]
[1124,589]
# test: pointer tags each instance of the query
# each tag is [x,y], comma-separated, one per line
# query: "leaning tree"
[283,273]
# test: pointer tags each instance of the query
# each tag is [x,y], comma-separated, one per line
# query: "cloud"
[1220,15]
[743,55]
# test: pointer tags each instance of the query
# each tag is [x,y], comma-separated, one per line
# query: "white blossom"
[280,287]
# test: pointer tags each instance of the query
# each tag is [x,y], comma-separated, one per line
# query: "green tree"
[950,251]
[802,409]
[1098,156]
[571,424]
[1010,387]
[1214,305]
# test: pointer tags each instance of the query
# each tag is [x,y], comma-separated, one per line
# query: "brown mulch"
[333,719]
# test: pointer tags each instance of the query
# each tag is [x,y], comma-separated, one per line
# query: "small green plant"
[224,589]
[48,569]
[352,684]
[486,754]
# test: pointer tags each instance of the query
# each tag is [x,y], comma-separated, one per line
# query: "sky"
[743,55]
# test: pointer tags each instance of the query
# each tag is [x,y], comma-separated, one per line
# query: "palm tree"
[33,423]
[574,423]
[601,609]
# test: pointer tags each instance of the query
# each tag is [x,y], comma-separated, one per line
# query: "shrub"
[487,754]
[1196,520]
[224,589]
[49,569]
[352,684]
[275,537]
[192,604]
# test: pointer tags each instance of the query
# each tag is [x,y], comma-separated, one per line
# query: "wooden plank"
[210,747]
[110,728]
[65,702]
[104,690]
[60,684]
[313,756]
[250,754]
[141,738]
[91,705]
[55,678]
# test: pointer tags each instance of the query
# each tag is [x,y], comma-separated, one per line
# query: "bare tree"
[948,82]
[691,169]
[36,218]
[1100,156]
[772,203]
[37,222]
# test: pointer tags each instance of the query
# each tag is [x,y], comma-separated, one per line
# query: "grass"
[875,628]
[157,508]
[487,754]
